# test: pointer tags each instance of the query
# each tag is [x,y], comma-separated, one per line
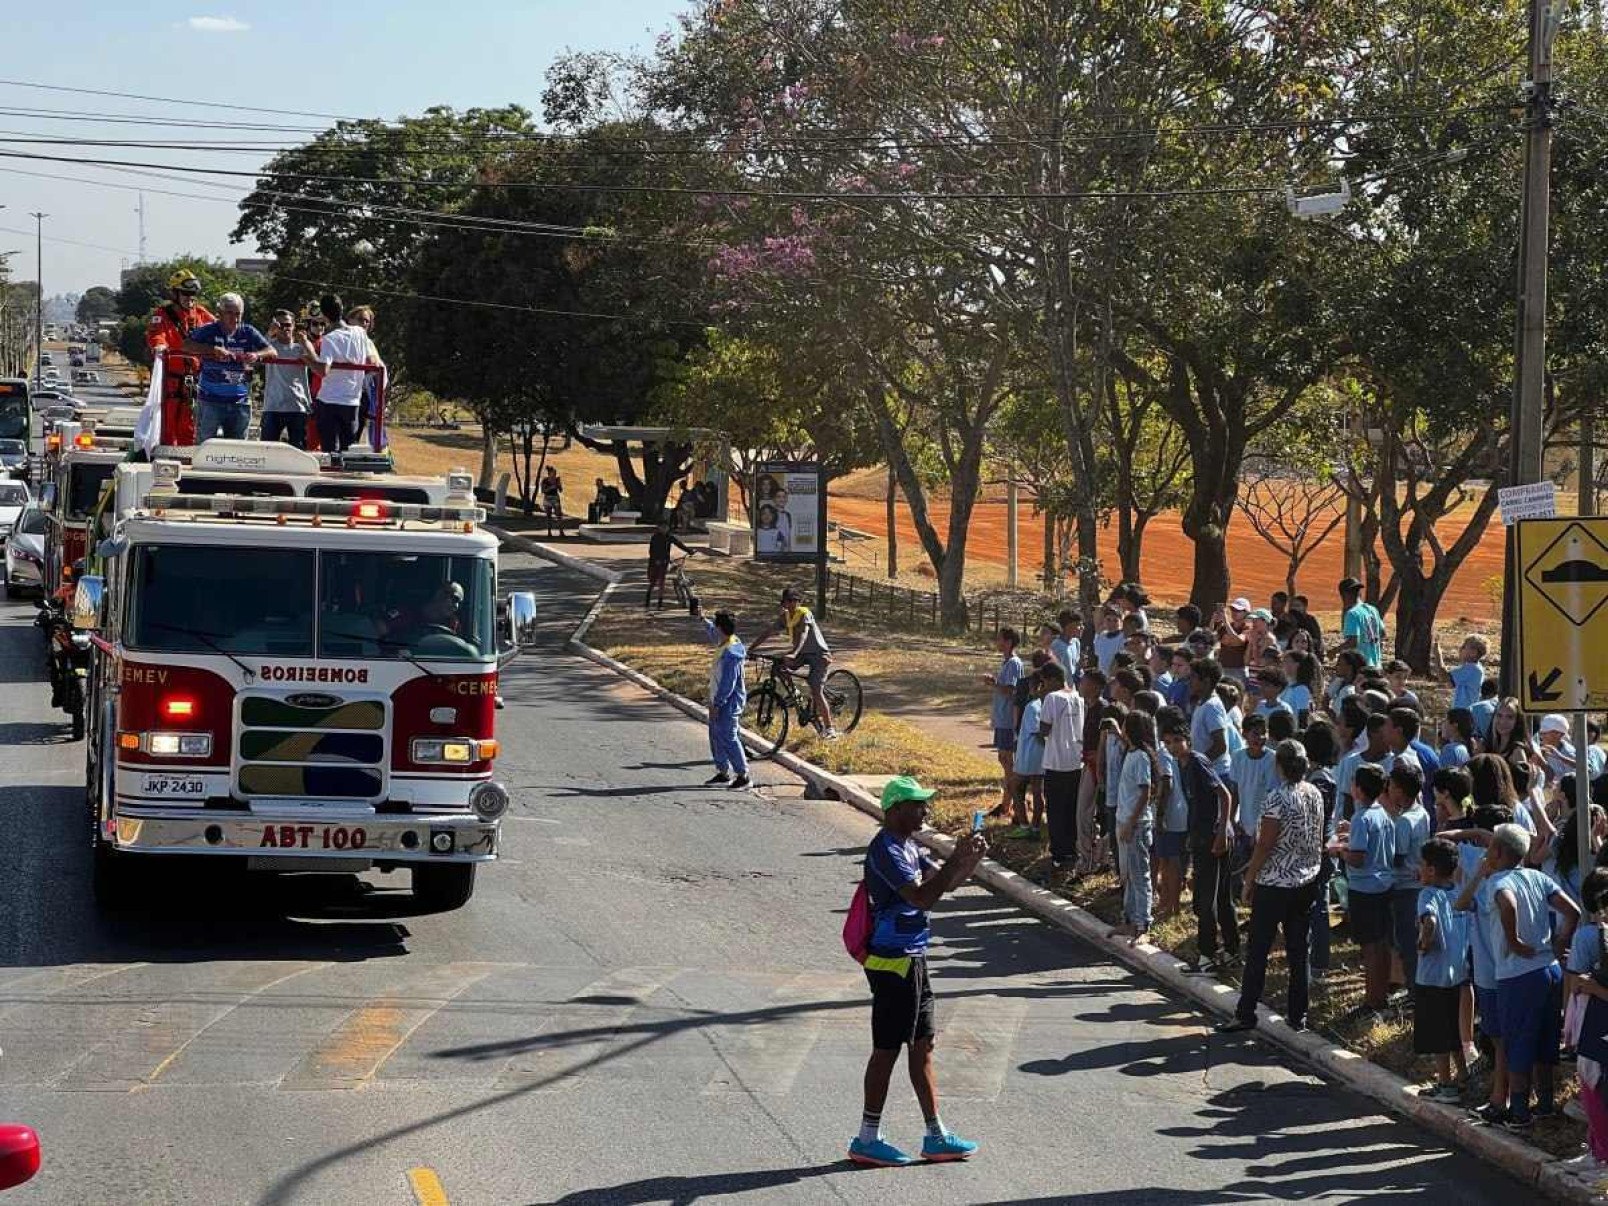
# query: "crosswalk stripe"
[975,1042]
[593,1015]
[146,1038]
[35,987]
[172,1056]
[765,1055]
[356,1050]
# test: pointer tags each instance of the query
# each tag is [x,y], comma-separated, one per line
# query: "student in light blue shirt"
[1457,737]
[1108,641]
[1137,785]
[1403,802]
[1485,709]
[1068,647]
[1029,767]
[1441,975]
[1467,676]
[1253,772]
[1303,676]
[1208,725]
[1517,905]
[1369,852]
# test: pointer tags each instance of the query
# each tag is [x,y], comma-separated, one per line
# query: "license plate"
[313,837]
[172,785]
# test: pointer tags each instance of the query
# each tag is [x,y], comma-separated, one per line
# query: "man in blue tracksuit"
[728,694]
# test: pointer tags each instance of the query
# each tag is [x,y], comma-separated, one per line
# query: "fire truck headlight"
[182,745]
[428,749]
[489,800]
[457,751]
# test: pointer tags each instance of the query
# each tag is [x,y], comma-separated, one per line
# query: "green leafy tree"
[97,304]
[146,287]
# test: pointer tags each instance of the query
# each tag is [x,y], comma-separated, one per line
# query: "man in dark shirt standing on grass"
[659,561]
[903,884]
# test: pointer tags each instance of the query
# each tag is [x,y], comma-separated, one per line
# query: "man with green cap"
[903,884]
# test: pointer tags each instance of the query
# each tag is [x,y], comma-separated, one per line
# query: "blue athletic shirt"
[1445,965]
[899,928]
[227,380]
[1466,679]
[1373,831]
[1530,889]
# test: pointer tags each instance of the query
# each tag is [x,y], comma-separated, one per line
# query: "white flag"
[148,427]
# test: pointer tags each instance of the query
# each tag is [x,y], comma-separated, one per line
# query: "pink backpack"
[858,924]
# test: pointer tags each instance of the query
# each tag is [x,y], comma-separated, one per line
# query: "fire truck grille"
[335,750]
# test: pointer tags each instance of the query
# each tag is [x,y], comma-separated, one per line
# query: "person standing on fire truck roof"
[229,348]
[166,331]
[341,391]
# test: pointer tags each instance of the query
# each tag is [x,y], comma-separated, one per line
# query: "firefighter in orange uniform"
[166,331]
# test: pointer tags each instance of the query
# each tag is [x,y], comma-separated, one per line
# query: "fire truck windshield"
[414,605]
[251,600]
[84,488]
[198,598]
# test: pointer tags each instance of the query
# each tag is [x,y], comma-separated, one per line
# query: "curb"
[579,564]
[1526,1164]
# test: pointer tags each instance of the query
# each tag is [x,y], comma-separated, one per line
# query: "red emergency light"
[370,509]
[84,440]
[177,707]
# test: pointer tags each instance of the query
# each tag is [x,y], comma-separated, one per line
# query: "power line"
[681,190]
[170,100]
[462,301]
[71,242]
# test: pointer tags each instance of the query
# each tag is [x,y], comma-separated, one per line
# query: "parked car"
[13,498]
[25,554]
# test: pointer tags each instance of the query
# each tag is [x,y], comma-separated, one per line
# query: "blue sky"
[379,60]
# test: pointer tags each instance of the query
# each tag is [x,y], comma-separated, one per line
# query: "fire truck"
[294,667]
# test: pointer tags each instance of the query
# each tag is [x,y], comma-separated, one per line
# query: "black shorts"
[901,1006]
[1435,1028]
[1369,913]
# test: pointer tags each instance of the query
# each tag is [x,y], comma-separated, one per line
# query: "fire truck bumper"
[306,834]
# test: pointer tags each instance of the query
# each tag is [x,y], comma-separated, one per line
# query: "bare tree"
[1294,510]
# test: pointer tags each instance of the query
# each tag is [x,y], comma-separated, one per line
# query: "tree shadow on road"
[682,1191]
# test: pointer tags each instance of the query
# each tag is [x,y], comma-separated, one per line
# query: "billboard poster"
[789,505]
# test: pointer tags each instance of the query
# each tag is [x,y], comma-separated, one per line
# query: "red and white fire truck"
[295,667]
[78,464]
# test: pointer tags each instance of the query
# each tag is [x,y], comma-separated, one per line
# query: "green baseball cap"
[902,788]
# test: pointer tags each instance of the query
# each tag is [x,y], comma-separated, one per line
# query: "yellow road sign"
[1563,614]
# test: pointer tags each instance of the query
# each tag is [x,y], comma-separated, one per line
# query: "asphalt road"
[645,1002]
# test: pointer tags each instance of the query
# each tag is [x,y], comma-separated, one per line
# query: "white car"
[13,498]
[25,554]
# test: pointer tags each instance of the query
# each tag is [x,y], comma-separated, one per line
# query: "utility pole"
[1526,421]
[39,297]
[1588,464]
[140,209]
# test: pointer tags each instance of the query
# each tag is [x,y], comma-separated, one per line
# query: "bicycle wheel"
[844,697]
[768,715]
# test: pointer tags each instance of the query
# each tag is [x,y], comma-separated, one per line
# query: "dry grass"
[432,451]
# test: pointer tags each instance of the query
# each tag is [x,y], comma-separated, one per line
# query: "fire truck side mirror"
[522,619]
[87,597]
[47,496]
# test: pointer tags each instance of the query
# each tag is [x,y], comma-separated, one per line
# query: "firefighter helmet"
[185,281]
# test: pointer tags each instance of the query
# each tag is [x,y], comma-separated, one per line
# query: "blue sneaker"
[877,1154]
[949,1147]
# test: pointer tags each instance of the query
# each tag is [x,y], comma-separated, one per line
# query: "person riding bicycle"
[659,560]
[809,649]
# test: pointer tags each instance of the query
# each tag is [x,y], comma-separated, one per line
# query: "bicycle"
[681,583]
[771,705]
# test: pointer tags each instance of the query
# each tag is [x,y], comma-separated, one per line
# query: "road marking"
[975,1044]
[765,1055]
[172,1056]
[355,1051]
[593,1016]
[147,1034]
[59,980]
[426,1186]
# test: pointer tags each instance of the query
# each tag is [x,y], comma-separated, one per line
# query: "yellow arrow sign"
[1563,614]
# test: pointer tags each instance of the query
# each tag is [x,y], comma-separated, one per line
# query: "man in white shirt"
[1061,726]
[341,391]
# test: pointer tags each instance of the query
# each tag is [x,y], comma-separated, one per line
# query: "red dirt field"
[1257,569]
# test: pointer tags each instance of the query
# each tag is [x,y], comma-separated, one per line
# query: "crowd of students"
[1227,759]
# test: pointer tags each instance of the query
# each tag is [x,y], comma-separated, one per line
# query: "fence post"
[934,599]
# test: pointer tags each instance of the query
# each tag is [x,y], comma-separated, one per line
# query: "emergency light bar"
[362,512]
